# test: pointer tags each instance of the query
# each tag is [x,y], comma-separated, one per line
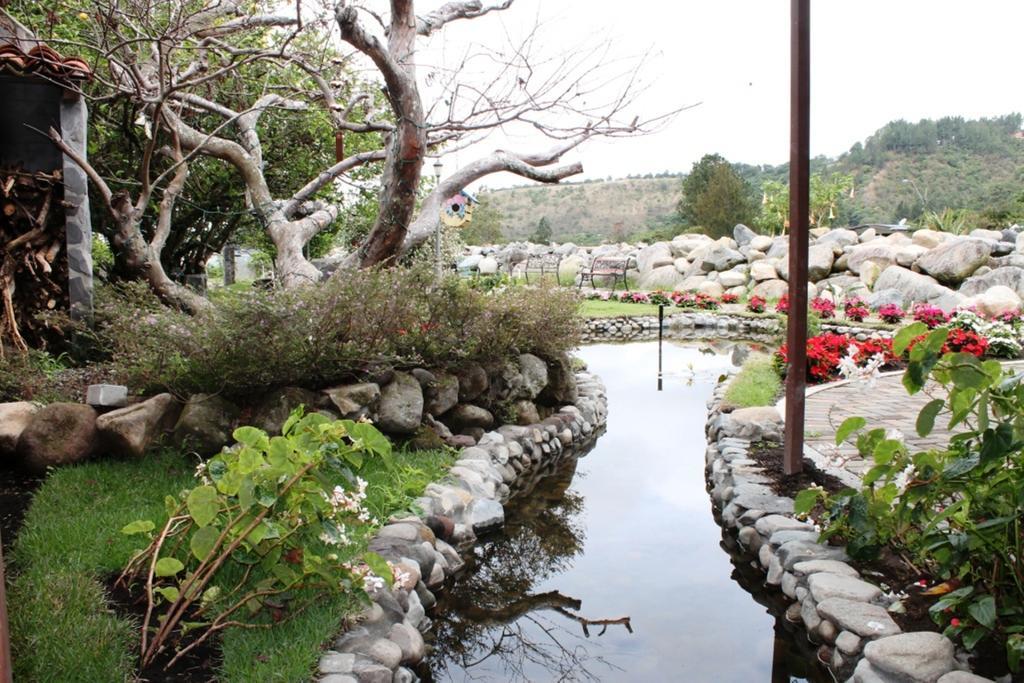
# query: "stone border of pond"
[847,615]
[632,328]
[425,549]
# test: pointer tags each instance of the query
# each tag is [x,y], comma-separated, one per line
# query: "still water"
[625,532]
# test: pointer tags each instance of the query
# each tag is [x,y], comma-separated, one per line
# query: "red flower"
[823,307]
[756,304]
[954,622]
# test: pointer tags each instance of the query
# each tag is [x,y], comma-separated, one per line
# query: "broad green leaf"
[983,610]
[168,566]
[379,566]
[139,526]
[249,460]
[252,437]
[848,427]
[971,637]
[296,415]
[203,541]
[1014,651]
[926,418]
[246,494]
[965,371]
[170,593]
[935,340]
[961,465]
[805,501]
[907,335]
[277,453]
[885,450]
[203,504]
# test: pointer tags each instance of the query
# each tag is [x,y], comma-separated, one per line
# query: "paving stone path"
[885,405]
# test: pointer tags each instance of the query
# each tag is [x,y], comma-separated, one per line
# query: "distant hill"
[901,171]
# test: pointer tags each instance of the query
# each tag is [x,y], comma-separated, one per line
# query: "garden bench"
[543,264]
[614,267]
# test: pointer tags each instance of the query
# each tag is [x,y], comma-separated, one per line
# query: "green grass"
[616,309]
[756,384]
[62,627]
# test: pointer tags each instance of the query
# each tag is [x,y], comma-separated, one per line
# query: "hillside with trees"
[917,171]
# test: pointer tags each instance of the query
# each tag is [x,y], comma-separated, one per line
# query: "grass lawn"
[62,628]
[756,384]
[616,309]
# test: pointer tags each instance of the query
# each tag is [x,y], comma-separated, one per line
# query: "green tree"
[485,227]
[542,235]
[715,197]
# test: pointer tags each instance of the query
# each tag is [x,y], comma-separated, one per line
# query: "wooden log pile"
[33,260]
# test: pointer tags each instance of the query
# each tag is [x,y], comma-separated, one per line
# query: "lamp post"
[438,166]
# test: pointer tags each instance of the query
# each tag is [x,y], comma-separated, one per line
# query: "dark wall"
[25,102]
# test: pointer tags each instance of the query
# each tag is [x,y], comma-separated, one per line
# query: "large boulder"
[525,413]
[839,238]
[753,424]
[401,405]
[561,388]
[58,434]
[953,262]
[882,297]
[355,401]
[721,257]
[819,263]
[733,278]
[683,245]
[443,394]
[473,380]
[657,255]
[272,412]
[528,380]
[879,251]
[929,239]
[663,277]
[129,432]
[712,288]
[205,424]
[468,416]
[743,235]
[996,301]
[770,289]
[1007,276]
[917,287]
[14,417]
[761,243]
[922,656]
[763,270]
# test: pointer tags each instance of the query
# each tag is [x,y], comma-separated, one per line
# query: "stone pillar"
[227,257]
[73,123]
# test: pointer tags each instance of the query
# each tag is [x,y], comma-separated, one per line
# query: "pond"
[614,568]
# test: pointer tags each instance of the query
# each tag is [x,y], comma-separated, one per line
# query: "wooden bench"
[543,264]
[613,267]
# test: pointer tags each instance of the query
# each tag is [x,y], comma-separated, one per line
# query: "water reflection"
[625,533]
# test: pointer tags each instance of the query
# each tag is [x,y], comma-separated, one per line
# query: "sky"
[872,61]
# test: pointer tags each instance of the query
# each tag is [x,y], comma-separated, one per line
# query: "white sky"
[872,61]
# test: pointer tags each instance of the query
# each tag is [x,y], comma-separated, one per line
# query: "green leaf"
[935,340]
[252,437]
[848,427]
[210,595]
[1014,651]
[168,566]
[965,371]
[926,418]
[139,526]
[296,415]
[203,504]
[907,335]
[203,541]
[805,501]
[369,438]
[170,593]
[961,465]
[886,450]
[249,460]
[983,610]
[379,566]
[246,494]
[971,637]
[277,454]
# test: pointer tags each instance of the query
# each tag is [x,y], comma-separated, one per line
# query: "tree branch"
[452,11]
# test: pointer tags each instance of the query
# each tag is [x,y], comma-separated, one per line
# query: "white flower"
[372,583]
[902,479]
[894,434]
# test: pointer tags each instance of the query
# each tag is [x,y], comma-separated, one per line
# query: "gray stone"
[332,662]
[827,631]
[763,270]
[443,394]
[354,401]
[916,287]
[770,289]
[862,618]
[401,405]
[789,585]
[561,388]
[769,524]
[129,432]
[465,415]
[58,434]
[754,424]
[1007,276]
[743,235]
[919,656]
[809,614]
[757,496]
[14,417]
[830,566]
[106,395]
[473,380]
[403,675]
[839,238]
[801,551]
[963,677]
[531,380]
[205,424]
[525,413]
[787,535]
[953,262]
[384,651]
[865,673]
[410,641]
[879,252]
[655,256]
[272,412]
[485,515]
[749,539]
[819,263]
[848,643]
[338,678]
[721,257]
[882,297]
[375,673]
[775,572]
[664,277]
[824,586]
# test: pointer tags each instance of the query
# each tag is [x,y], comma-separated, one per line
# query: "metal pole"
[661,323]
[799,179]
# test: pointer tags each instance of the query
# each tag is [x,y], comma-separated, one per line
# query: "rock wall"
[983,268]
[467,502]
[849,617]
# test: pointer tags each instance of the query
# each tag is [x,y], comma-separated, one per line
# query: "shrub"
[855,309]
[316,335]
[931,316]
[1001,337]
[756,304]
[728,298]
[825,351]
[698,300]
[633,298]
[891,313]
[825,308]
[782,306]
[659,298]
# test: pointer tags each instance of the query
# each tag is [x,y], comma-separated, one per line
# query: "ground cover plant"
[756,384]
[957,511]
[72,545]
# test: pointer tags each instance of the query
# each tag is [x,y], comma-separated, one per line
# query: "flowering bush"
[1001,337]
[931,316]
[826,353]
[633,298]
[728,298]
[891,313]
[783,304]
[596,295]
[956,510]
[698,300]
[825,308]
[659,298]
[965,341]
[856,309]
[756,304]
[281,513]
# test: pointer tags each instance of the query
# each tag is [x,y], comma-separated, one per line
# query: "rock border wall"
[847,616]
[467,502]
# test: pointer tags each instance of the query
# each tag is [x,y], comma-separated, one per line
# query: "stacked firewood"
[33,261]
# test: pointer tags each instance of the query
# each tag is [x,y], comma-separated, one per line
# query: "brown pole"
[799,179]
